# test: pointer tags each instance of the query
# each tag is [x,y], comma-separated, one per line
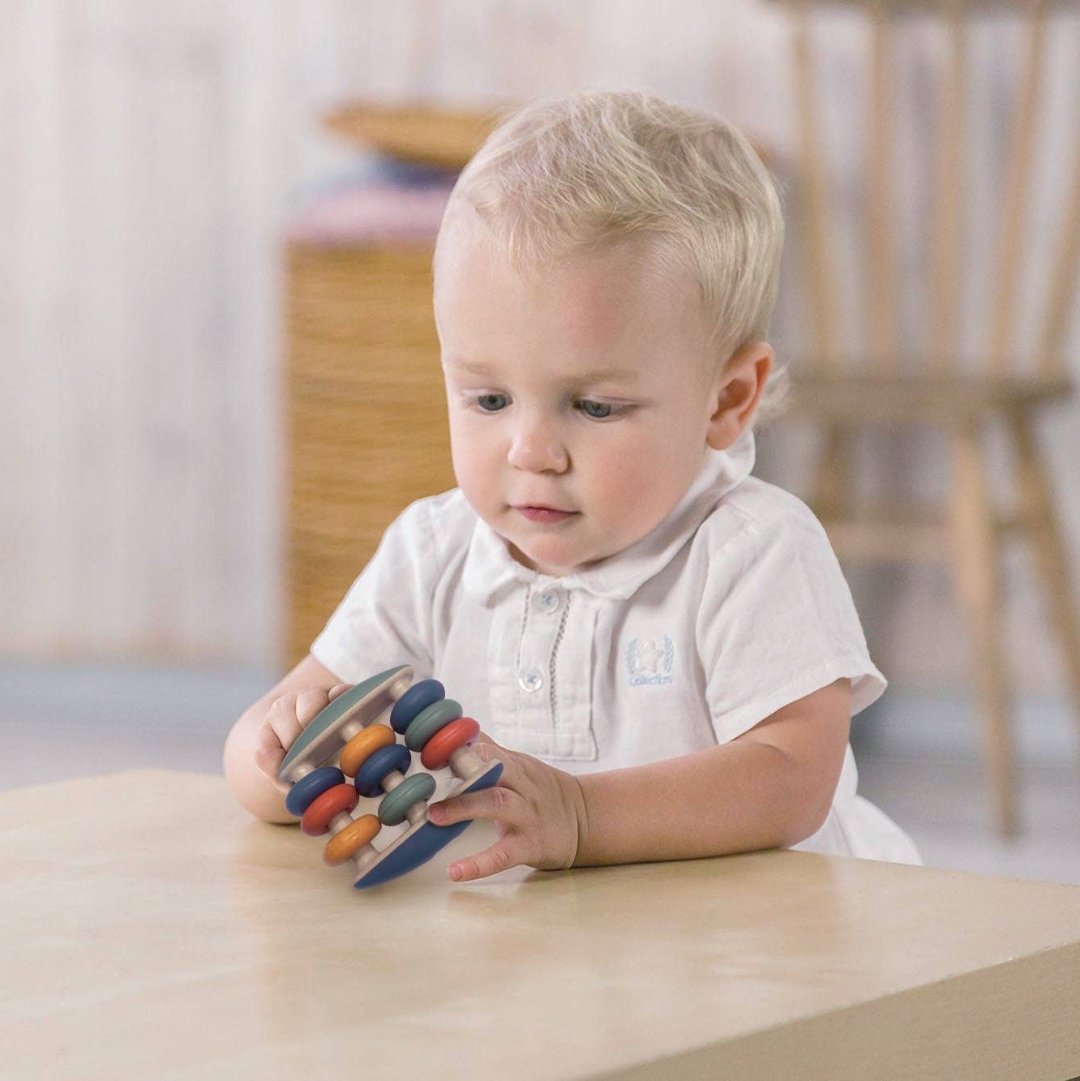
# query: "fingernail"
[455,872]
[436,813]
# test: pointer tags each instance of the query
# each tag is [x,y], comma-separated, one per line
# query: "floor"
[917,753]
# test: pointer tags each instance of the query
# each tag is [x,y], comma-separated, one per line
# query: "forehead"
[625,291]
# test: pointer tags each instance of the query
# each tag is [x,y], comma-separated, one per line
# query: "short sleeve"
[385,619]
[777,622]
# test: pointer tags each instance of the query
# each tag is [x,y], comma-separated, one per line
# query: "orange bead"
[366,742]
[316,819]
[437,751]
[344,845]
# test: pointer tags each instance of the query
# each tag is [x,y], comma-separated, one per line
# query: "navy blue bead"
[417,698]
[308,789]
[376,766]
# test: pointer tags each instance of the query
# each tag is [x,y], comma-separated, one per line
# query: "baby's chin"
[552,564]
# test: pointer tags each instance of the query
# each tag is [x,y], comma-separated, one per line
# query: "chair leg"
[1041,525]
[978,582]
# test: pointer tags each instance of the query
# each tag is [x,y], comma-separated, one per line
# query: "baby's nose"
[537,448]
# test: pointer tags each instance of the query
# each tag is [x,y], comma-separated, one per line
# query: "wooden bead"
[344,845]
[437,751]
[316,819]
[363,744]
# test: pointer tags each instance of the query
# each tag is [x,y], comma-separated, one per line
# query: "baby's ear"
[738,391]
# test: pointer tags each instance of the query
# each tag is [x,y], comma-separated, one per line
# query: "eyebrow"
[594,375]
[470,366]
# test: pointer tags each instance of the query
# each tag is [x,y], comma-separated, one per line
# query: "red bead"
[437,751]
[316,819]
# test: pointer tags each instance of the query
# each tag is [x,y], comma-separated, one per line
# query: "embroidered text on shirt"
[651,661]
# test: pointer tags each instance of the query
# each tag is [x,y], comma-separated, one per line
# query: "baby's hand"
[285,719]
[539,811]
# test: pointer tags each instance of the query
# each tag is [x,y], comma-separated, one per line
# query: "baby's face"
[579,395]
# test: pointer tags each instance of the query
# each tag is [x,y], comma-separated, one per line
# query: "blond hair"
[574,173]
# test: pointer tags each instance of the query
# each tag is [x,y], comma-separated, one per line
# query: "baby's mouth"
[543,515]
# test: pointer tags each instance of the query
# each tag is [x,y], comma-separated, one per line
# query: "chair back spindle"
[820,264]
[1063,282]
[950,182]
[1017,185]
[880,263]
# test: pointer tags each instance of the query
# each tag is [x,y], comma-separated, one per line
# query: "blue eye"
[596,410]
[492,403]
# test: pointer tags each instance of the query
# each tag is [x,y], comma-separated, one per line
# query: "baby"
[661,648]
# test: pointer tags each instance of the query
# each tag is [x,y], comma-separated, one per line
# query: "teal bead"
[395,804]
[429,721]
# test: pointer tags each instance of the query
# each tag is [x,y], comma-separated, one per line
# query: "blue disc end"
[417,848]
[415,851]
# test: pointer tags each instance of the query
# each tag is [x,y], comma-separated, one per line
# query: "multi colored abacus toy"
[348,731]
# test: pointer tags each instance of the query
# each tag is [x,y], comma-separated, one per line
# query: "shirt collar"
[490,570]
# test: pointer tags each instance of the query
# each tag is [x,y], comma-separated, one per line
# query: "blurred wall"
[151,154]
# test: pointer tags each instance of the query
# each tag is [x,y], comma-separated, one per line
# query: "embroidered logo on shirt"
[650,661]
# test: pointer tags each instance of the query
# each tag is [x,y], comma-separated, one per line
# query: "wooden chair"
[941,385]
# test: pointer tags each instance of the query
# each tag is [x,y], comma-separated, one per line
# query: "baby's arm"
[769,788]
[256,745]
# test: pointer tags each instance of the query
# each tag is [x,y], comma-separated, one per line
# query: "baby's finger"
[339,688]
[281,722]
[269,754]
[498,803]
[309,704]
[499,857]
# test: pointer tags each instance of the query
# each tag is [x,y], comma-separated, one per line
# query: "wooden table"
[152,930]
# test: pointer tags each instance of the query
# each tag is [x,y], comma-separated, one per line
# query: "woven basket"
[366,415]
[440,137]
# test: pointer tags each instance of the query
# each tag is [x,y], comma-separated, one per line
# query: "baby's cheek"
[634,492]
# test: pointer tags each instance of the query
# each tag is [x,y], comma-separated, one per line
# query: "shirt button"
[530,679]
[549,600]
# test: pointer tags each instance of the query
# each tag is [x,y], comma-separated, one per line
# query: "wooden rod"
[950,185]
[880,248]
[1016,187]
[1063,282]
[819,266]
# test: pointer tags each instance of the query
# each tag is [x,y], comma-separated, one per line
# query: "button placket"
[536,707]
[539,641]
[574,737]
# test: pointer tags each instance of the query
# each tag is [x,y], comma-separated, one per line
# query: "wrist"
[579,807]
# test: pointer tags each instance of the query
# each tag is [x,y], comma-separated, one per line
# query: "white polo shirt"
[731,608]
